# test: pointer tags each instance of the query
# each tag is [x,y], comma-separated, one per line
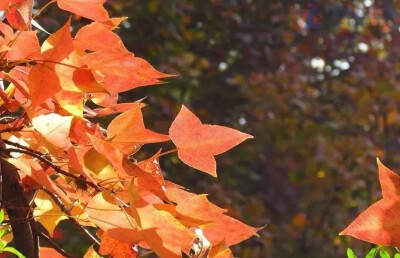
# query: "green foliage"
[372,253]
[384,254]
[350,253]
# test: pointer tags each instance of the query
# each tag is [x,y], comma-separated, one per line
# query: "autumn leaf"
[211,219]
[113,109]
[127,131]
[91,9]
[25,46]
[48,212]
[160,229]
[97,36]
[110,246]
[379,224]
[198,143]
[119,70]
[36,172]
[55,91]
[60,69]
[54,129]
[19,12]
[113,219]
[49,253]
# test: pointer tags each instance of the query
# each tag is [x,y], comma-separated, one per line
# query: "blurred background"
[316,83]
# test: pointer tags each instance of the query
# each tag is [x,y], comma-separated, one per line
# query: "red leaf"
[197,143]
[380,224]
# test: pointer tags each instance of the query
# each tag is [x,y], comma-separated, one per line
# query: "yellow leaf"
[49,214]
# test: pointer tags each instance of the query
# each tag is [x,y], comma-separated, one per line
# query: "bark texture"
[19,212]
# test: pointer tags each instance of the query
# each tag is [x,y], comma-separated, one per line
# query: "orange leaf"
[43,80]
[49,253]
[25,46]
[96,36]
[127,130]
[91,9]
[19,13]
[15,19]
[120,70]
[113,109]
[61,68]
[220,227]
[116,248]
[199,208]
[379,224]
[113,220]
[160,229]
[35,171]
[197,143]
[229,230]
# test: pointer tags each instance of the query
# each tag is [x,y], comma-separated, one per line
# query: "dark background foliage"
[316,83]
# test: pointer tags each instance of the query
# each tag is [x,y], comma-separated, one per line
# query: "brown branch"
[53,244]
[11,129]
[23,147]
[17,207]
[64,209]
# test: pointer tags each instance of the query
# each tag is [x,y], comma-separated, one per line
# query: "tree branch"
[18,210]
[53,244]
[49,163]
[74,221]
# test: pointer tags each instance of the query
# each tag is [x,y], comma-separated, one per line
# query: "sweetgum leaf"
[380,223]
[198,143]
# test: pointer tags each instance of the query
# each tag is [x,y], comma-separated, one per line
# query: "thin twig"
[74,221]
[23,147]
[53,244]
[49,163]
[11,129]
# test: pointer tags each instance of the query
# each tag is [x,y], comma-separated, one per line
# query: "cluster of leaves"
[77,170]
[318,131]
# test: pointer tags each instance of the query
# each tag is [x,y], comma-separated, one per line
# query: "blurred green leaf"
[371,253]
[350,253]
[384,254]
[13,251]
[4,231]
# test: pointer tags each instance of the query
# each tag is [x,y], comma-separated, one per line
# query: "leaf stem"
[168,152]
